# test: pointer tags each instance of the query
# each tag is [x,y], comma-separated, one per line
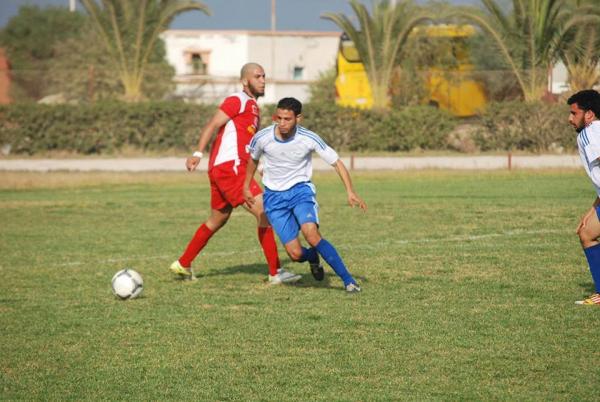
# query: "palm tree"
[530,35]
[379,40]
[582,55]
[581,59]
[129,30]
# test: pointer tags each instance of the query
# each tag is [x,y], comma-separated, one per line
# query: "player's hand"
[249,197]
[355,200]
[192,163]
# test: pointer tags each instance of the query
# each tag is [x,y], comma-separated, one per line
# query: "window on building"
[298,73]
[197,62]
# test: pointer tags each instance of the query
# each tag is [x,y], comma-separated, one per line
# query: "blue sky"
[236,14]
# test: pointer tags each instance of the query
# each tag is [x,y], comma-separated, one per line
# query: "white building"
[207,63]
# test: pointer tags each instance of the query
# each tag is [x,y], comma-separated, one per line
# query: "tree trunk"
[381,99]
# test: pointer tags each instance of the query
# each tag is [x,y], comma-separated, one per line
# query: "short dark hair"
[588,99]
[292,104]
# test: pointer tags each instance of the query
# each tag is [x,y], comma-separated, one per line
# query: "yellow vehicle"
[450,88]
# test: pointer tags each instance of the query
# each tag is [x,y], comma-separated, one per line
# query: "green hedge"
[535,127]
[101,128]
[348,129]
[106,128]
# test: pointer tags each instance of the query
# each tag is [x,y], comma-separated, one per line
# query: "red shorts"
[227,187]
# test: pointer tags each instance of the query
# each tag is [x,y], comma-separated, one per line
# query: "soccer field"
[469,282]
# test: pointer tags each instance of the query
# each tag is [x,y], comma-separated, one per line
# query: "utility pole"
[273,17]
[72,5]
[273,30]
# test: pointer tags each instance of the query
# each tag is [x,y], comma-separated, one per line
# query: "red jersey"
[234,137]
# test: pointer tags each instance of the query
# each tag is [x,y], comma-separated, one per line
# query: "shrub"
[533,127]
[101,128]
[351,129]
[105,128]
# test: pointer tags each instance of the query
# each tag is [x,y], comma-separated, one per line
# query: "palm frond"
[129,30]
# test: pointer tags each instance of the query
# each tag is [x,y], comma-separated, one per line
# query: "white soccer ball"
[127,284]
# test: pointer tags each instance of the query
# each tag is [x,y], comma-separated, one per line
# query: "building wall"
[292,60]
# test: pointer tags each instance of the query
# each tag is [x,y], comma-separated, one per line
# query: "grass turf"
[469,282]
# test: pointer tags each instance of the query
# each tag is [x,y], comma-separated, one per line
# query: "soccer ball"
[127,284]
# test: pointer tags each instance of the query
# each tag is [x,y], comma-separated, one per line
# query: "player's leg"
[287,229]
[310,231]
[299,194]
[306,212]
[220,213]
[217,219]
[282,275]
[280,214]
[266,236]
[298,253]
[311,255]
[235,195]
[589,233]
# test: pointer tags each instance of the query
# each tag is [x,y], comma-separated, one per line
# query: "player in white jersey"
[285,149]
[584,116]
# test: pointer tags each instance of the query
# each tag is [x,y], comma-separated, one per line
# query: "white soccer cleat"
[283,276]
[353,288]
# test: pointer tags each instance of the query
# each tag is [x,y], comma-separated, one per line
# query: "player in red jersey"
[236,120]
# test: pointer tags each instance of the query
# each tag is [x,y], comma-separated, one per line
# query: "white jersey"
[286,163]
[588,142]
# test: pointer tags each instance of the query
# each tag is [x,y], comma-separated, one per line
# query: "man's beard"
[256,92]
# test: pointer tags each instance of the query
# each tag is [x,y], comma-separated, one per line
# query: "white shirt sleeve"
[256,147]
[591,143]
[593,152]
[327,153]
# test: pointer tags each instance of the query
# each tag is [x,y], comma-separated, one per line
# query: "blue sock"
[593,256]
[330,254]
[308,254]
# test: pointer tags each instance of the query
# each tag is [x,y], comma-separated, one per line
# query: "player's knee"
[294,254]
[262,220]
[217,222]
[313,238]
[586,237]
[221,221]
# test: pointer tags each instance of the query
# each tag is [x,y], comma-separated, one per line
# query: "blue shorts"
[288,210]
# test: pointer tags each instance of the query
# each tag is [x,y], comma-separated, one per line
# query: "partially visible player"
[584,115]
[286,149]
[236,120]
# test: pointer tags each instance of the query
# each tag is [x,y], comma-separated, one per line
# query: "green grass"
[468,289]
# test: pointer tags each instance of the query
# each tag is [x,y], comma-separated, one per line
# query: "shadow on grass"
[587,288]
[258,269]
[331,280]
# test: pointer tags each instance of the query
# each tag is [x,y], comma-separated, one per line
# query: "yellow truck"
[448,87]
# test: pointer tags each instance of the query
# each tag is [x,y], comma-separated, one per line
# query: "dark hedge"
[105,128]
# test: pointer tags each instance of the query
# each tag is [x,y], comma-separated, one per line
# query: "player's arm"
[219,119]
[250,171]
[353,198]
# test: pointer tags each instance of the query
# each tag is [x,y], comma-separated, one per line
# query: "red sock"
[195,245]
[267,242]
